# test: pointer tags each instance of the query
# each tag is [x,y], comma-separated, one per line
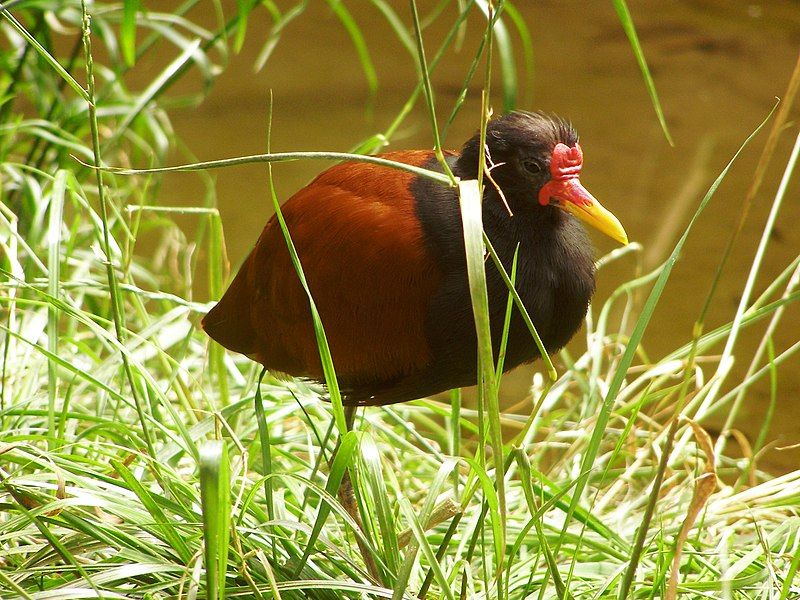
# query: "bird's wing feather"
[369,270]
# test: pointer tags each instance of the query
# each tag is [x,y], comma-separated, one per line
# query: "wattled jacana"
[383,253]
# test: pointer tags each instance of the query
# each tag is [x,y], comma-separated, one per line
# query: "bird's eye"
[531,166]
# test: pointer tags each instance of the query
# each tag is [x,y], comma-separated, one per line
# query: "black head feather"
[519,133]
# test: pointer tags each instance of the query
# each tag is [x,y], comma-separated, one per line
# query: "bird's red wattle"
[567,161]
[565,169]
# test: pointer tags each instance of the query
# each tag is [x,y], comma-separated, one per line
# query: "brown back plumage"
[369,270]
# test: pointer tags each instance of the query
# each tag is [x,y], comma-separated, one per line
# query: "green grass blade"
[280,22]
[455,426]
[284,157]
[505,50]
[770,412]
[381,495]
[767,345]
[48,58]
[767,153]
[322,341]
[507,320]
[243,8]
[161,523]
[493,504]
[790,579]
[153,90]
[641,531]
[265,444]
[422,541]
[726,361]
[472,220]
[551,370]
[216,260]
[527,47]
[54,289]
[12,586]
[127,31]
[627,24]
[449,40]
[360,44]
[343,458]
[428,89]
[216,505]
[432,493]
[397,25]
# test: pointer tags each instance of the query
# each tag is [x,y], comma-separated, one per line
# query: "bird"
[383,255]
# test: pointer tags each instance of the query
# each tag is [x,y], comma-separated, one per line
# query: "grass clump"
[137,462]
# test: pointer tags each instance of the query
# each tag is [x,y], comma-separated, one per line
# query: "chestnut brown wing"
[369,270]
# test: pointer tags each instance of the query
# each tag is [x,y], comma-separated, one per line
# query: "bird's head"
[536,160]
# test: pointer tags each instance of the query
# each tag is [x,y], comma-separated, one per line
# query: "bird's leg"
[347,498]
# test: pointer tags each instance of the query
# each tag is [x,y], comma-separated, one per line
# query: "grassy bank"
[139,461]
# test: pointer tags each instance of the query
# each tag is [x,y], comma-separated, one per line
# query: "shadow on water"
[718,67]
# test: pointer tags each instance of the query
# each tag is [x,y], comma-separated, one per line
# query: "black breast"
[555,279]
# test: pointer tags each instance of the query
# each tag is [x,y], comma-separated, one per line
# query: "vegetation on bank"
[139,461]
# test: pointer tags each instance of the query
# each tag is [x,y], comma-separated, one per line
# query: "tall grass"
[138,462]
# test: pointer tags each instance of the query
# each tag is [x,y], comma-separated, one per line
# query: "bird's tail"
[229,323]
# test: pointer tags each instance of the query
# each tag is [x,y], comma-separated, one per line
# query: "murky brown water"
[718,67]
